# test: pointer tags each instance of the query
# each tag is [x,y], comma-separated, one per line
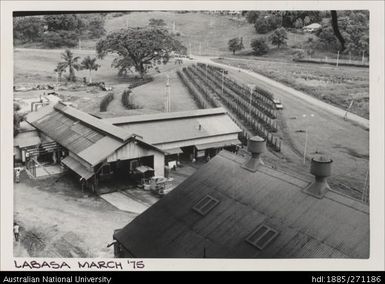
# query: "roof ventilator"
[321,169]
[256,146]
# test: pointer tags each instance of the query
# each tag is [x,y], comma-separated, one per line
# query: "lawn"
[34,67]
[334,85]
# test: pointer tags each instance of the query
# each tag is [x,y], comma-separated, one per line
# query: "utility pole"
[251,87]
[168,95]
[364,191]
[223,78]
[347,110]
[306,137]
[173,27]
[363,56]
[338,57]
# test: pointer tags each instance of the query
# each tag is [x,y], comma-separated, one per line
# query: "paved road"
[283,90]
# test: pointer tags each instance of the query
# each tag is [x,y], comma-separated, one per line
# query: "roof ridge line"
[107,128]
[164,116]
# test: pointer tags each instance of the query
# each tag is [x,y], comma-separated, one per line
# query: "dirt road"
[346,142]
[283,91]
[58,221]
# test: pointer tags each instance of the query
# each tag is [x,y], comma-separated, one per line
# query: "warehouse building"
[198,133]
[96,149]
[237,207]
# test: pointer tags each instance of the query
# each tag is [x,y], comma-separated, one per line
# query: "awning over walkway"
[27,139]
[218,144]
[173,151]
[77,167]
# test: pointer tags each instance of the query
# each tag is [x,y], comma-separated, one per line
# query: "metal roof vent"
[321,168]
[256,146]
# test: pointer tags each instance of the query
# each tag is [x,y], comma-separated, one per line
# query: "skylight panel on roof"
[262,236]
[205,205]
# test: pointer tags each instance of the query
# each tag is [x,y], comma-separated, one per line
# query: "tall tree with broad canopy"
[140,48]
[89,64]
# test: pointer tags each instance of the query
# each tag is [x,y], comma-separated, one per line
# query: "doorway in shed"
[125,174]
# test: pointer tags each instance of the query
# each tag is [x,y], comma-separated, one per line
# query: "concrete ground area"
[57,219]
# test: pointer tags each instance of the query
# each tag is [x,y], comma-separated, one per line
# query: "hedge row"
[200,85]
[198,98]
[106,101]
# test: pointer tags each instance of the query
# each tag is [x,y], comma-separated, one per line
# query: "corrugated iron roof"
[183,128]
[68,132]
[307,226]
[26,139]
[218,144]
[77,167]
[93,122]
[165,116]
[88,137]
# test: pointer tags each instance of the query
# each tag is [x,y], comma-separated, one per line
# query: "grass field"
[334,85]
[33,67]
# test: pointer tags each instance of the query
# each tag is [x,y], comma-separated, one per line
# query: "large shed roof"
[178,126]
[242,204]
[90,138]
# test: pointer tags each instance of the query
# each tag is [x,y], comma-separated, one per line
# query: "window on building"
[205,205]
[262,236]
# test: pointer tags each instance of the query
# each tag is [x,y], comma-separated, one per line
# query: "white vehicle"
[278,104]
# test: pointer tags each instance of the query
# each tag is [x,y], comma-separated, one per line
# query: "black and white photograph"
[205,133]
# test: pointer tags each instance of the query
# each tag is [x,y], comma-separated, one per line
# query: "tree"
[353,27]
[267,23]
[141,48]
[28,29]
[17,118]
[235,44]
[252,16]
[95,27]
[71,63]
[60,69]
[60,38]
[337,30]
[66,22]
[309,46]
[156,23]
[89,64]
[259,46]
[298,24]
[278,37]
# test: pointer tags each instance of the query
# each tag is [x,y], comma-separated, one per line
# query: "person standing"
[18,171]
[16,231]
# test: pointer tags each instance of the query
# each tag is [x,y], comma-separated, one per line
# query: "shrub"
[126,99]
[259,46]
[299,54]
[60,39]
[106,101]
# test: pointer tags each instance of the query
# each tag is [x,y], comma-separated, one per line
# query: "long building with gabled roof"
[237,207]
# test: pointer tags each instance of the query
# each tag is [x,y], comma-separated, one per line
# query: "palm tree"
[71,63]
[89,64]
[60,68]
